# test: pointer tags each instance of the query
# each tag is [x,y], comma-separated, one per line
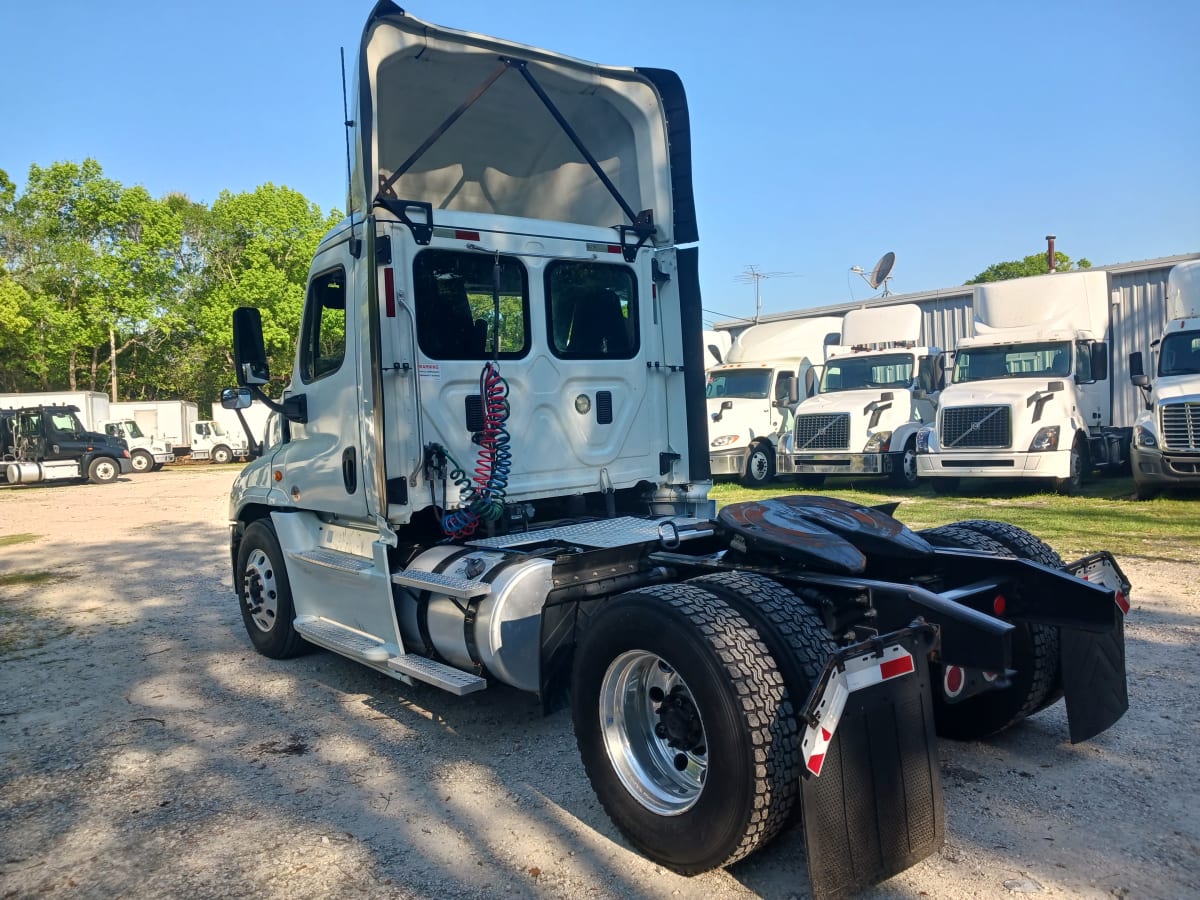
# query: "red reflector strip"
[894,668]
[389,290]
[466,235]
[815,762]
[1122,601]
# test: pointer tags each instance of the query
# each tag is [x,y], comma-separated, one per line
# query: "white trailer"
[750,396]
[97,414]
[169,421]
[1031,395]
[875,393]
[1166,436]
[716,347]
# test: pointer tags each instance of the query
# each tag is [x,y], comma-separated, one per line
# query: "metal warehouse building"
[1139,314]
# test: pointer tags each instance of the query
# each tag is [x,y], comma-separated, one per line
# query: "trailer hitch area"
[877,806]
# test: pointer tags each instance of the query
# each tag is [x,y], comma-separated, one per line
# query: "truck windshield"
[750,384]
[1012,361]
[1180,354]
[855,373]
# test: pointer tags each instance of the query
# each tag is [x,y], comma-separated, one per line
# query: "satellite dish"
[882,269]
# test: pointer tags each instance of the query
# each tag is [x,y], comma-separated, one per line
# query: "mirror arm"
[294,409]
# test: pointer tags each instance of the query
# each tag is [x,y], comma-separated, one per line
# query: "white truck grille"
[1180,423]
[823,431]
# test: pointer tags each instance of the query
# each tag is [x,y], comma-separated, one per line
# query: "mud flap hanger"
[642,223]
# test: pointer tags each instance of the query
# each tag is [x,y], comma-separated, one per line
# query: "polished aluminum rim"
[653,733]
[261,590]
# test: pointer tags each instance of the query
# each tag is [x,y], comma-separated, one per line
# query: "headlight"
[878,442]
[724,440]
[1144,437]
[925,440]
[1045,439]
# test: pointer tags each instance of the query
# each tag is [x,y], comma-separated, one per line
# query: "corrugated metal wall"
[1139,314]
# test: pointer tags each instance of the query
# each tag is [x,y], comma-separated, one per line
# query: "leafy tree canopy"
[1035,264]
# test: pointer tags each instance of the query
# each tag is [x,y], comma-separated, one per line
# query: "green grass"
[1104,517]
[7,540]
[25,578]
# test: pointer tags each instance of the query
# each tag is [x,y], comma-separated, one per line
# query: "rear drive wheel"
[683,727]
[760,465]
[141,461]
[1034,657]
[103,470]
[904,466]
[221,454]
[265,594]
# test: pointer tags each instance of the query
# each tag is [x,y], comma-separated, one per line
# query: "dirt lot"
[146,750]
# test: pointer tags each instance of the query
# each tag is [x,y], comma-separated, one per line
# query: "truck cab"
[874,395]
[211,441]
[1031,394]
[1166,436]
[49,443]
[751,394]
[145,453]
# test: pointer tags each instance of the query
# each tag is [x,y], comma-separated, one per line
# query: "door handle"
[350,470]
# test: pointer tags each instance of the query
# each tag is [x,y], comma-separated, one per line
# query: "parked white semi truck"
[1166,437]
[96,413]
[492,468]
[875,393]
[751,394]
[1031,395]
[716,346]
[177,425]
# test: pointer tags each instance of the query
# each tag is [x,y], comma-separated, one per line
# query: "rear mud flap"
[1093,676]
[877,806]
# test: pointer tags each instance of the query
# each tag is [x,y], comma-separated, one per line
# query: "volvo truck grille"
[1181,426]
[823,431]
[976,426]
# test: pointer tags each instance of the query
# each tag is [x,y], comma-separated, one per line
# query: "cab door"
[323,470]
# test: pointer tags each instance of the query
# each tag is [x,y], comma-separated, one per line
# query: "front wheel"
[222,454]
[141,461]
[683,727]
[265,594]
[103,470]
[944,485]
[760,466]
[904,466]
[1071,485]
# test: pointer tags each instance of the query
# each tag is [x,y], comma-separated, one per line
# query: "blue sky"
[954,134]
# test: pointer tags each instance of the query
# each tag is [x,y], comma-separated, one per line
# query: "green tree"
[1036,264]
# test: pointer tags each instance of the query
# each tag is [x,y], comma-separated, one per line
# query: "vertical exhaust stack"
[1050,254]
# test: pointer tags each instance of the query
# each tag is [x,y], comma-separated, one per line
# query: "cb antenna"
[880,275]
[753,273]
[355,246]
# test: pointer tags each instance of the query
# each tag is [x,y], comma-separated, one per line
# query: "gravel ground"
[146,750]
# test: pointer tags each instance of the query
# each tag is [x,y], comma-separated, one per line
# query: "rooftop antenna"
[755,274]
[881,274]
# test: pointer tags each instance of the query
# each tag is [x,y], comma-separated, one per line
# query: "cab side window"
[323,334]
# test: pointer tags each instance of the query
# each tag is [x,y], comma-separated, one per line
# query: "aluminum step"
[334,559]
[437,674]
[450,585]
[347,641]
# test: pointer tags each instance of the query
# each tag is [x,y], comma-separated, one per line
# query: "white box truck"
[256,417]
[750,395]
[875,393]
[177,424]
[1166,436]
[96,413]
[1031,395]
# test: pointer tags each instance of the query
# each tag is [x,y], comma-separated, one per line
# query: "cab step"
[334,559]
[450,585]
[340,639]
[437,674]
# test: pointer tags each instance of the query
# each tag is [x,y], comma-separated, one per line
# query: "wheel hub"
[679,721]
[260,591]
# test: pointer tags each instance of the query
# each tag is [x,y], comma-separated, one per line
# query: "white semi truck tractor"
[1031,395]
[490,467]
[875,393]
[1166,436]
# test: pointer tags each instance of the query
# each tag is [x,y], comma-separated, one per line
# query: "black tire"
[1034,653]
[1145,491]
[222,454]
[943,485]
[265,593]
[904,466]
[760,465]
[157,467]
[141,461]
[810,481]
[1024,545]
[103,470]
[727,784]
[1073,483]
